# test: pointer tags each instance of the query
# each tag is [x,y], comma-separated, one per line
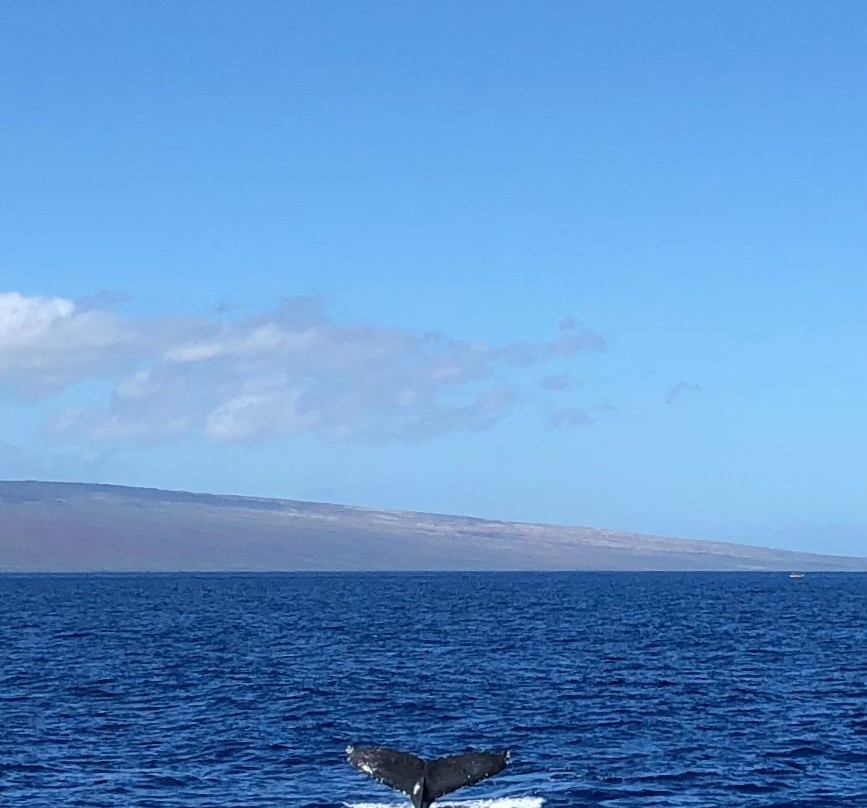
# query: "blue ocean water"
[621,690]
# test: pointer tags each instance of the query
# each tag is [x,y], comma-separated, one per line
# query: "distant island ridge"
[81,527]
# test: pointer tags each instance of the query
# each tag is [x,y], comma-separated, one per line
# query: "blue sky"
[598,263]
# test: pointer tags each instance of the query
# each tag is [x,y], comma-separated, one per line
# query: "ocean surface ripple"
[621,690]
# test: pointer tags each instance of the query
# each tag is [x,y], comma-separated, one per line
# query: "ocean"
[625,690]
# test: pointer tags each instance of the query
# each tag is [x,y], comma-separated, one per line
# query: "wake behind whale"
[425,780]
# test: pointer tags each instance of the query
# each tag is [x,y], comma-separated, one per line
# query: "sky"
[595,263]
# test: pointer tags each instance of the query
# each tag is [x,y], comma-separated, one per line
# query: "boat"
[796,574]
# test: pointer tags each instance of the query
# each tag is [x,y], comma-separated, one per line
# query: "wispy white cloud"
[47,343]
[27,462]
[16,463]
[288,371]
[681,388]
[569,419]
[557,381]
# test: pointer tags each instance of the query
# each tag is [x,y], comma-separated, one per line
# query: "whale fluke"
[425,780]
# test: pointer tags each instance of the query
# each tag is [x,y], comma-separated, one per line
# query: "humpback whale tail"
[425,780]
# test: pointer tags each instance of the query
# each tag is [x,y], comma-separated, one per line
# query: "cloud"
[15,462]
[289,371]
[566,344]
[569,419]
[47,343]
[23,463]
[559,381]
[679,389]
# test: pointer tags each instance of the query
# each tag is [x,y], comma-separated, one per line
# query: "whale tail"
[425,781]
[399,770]
[448,774]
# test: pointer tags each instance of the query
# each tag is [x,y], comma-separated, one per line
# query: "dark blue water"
[610,689]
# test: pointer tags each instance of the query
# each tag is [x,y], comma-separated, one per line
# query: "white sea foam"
[495,802]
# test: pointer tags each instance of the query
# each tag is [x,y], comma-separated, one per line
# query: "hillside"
[58,527]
